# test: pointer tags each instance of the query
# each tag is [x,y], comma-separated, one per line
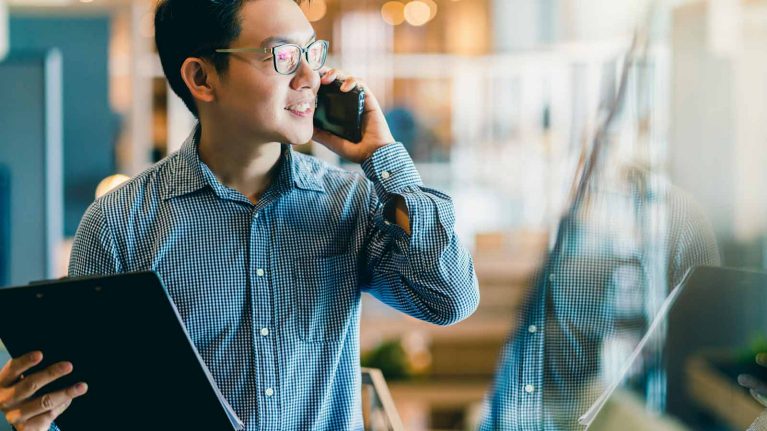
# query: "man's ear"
[199,75]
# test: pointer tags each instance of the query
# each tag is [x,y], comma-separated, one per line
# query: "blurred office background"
[498,101]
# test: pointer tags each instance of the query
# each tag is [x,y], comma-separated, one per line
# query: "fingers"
[349,83]
[55,402]
[14,368]
[324,71]
[34,382]
[43,421]
[330,75]
[15,393]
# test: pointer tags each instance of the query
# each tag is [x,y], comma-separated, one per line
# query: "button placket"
[264,343]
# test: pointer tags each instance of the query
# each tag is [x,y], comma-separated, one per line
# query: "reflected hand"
[755,386]
[23,411]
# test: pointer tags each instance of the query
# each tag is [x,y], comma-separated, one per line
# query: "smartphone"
[340,113]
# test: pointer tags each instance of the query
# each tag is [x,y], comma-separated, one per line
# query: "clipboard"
[127,341]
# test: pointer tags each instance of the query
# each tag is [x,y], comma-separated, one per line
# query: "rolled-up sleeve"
[427,274]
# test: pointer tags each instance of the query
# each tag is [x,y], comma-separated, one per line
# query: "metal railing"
[379,410]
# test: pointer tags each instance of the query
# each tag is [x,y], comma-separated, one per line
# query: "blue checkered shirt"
[549,368]
[270,293]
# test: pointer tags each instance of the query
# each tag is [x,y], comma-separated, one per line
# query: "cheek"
[258,100]
[245,84]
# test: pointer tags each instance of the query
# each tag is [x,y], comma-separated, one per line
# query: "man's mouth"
[302,109]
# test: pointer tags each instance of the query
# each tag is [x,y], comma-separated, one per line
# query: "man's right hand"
[23,411]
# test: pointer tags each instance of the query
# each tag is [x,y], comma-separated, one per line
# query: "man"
[266,251]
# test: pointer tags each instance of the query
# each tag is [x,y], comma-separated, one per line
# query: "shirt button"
[529,389]
[533,329]
[269,392]
[552,277]
[385,175]
[260,272]
[264,332]
[256,215]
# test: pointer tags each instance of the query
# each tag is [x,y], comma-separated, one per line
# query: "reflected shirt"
[270,293]
[587,291]
[760,424]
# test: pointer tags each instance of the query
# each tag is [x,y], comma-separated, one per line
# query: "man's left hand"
[375,130]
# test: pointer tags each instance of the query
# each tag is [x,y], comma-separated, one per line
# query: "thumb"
[371,102]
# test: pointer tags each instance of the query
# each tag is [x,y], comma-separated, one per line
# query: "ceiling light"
[315,10]
[393,12]
[417,13]
[432,8]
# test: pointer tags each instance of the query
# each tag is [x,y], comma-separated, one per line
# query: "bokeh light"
[393,12]
[315,10]
[417,13]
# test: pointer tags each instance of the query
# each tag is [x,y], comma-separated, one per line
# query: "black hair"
[195,28]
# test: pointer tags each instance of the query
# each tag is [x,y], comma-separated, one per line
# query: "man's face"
[269,106]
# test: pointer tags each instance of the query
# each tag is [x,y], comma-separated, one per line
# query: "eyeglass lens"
[287,57]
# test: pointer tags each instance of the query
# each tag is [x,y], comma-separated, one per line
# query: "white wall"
[719,116]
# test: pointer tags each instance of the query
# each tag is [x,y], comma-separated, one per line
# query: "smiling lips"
[302,109]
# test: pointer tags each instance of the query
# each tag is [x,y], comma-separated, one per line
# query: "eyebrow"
[277,40]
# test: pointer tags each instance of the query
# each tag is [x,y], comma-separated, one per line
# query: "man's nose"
[305,77]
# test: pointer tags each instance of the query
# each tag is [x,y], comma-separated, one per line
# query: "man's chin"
[298,139]
[299,144]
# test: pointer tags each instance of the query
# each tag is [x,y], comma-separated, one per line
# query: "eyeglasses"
[287,57]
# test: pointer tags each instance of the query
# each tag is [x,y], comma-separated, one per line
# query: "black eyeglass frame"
[304,52]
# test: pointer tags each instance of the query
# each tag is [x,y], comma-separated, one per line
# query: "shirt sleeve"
[427,274]
[94,251]
[693,241]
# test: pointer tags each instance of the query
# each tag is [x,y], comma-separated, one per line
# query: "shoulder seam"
[112,238]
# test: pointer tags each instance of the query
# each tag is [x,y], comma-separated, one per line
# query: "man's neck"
[243,165]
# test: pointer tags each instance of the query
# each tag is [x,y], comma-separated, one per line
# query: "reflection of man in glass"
[760,424]
[626,240]
[590,293]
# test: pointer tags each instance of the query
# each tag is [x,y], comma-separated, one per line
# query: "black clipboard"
[126,340]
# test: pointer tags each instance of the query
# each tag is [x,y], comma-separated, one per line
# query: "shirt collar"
[303,173]
[188,173]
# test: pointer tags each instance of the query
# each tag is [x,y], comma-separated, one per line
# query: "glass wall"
[596,153]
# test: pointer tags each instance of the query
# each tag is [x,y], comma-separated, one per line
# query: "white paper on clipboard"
[588,417]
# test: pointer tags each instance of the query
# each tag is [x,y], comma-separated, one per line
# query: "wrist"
[368,154]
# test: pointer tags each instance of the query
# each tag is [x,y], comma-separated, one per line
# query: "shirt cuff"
[392,171]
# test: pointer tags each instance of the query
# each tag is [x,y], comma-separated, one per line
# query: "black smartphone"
[340,113]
